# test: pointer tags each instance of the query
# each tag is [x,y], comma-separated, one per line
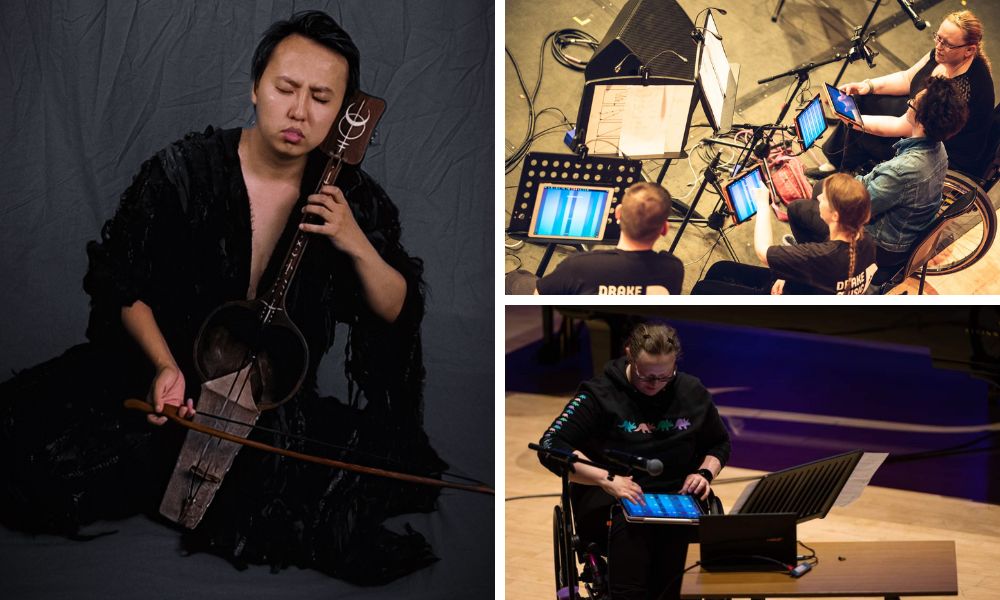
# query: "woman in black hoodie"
[640,405]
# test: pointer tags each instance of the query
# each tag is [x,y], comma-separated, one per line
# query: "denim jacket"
[905,192]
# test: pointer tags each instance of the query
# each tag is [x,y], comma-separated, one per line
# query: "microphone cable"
[572,37]
[559,40]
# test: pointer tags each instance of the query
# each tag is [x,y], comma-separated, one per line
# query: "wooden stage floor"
[880,514]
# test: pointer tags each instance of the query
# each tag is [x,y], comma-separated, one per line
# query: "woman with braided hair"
[836,265]
[906,189]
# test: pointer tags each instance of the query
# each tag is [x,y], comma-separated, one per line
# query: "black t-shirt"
[965,149]
[615,273]
[821,267]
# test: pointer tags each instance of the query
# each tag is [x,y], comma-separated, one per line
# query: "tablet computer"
[738,194]
[810,123]
[664,508]
[571,212]
[843,105]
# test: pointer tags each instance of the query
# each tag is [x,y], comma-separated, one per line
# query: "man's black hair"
[941,109]
[317,26]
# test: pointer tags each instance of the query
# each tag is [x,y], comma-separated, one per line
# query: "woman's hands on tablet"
[696,485]
[623,488]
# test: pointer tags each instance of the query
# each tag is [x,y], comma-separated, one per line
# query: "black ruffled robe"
[181,243]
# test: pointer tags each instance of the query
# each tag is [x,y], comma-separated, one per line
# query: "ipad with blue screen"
[810,123]
[663,508]
[843,106]
[571,212]
[738,194]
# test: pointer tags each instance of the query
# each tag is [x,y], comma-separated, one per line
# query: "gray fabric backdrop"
[89,90]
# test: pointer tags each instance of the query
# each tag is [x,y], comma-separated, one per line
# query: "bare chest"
[270,208]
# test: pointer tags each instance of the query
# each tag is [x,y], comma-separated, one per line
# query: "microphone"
[678,55]
[908,9]
[618,67]
[652,466]
[697,33]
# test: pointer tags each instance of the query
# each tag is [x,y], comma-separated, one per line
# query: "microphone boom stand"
[570,541]
[858,51]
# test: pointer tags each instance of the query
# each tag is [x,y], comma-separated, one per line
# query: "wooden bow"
[170,411]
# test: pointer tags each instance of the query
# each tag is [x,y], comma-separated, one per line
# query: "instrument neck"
[274,298]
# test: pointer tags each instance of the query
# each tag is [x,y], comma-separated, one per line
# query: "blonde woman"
[958,55]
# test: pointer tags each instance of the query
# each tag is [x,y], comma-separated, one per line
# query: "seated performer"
[834,266]
[958,55]
[906,189]
[641,404]
[633,267]
[208,220]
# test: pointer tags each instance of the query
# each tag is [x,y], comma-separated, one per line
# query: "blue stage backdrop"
[820,396]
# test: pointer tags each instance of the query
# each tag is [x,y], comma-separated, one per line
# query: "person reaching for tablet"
[641,404]
[836,265]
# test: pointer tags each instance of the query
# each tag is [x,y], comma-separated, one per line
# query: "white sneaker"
[788,240]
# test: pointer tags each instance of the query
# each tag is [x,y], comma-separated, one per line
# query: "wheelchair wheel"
[967,238]
[565,563]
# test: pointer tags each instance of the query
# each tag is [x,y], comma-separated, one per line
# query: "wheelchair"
[969,237]
[570,550]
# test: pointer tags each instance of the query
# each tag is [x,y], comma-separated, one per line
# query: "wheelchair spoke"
[967,238]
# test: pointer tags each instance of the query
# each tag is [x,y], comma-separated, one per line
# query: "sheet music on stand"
[810,490]
[639,121]
[860,477]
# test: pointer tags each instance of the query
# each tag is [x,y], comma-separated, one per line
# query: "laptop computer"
[748,542]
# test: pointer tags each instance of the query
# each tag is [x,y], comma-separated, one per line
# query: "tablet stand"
[716,219]
[807,490]
[573,170]
[758,145]
[859,50]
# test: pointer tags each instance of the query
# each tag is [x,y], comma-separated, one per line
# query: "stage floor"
[880,514]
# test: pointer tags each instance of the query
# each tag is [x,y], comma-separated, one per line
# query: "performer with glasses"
[957,55]
[640,405]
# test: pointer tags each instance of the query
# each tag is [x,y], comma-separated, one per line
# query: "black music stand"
[545,168]
[807,490]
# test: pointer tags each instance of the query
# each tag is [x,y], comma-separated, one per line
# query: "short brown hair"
[653,338]
[941,110]
[644,208]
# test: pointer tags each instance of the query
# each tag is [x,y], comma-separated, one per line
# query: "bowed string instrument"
[251,357]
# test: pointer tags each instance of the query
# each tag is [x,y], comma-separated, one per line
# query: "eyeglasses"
[652,378]
[909,104]
[940,41]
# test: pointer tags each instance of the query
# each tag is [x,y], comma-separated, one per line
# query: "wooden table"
[887,569]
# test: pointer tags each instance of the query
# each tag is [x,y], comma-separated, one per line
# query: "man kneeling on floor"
[633,267]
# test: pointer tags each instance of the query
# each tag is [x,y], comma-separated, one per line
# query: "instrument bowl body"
[244,333]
